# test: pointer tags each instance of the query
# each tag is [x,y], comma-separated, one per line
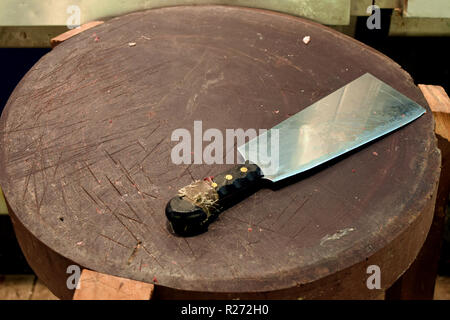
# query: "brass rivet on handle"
[244,169]
[228,177]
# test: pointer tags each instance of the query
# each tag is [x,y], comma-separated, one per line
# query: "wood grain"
[98,286]
[23,287]
[439,103]
[16,287]
[85,157]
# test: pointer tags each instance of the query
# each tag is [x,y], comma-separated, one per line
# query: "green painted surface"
[348,30]
[32,23]
[401,26]
[54,12]
[29,36]
[3,208]
[427,8]
[359,7]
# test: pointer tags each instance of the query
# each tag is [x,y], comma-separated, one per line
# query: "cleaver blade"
[359,112]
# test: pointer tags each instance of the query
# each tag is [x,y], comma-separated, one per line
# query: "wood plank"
[439,103]
[23,287]
[442,290]
[41,292]
[99,286]
[71,33]
[16,287]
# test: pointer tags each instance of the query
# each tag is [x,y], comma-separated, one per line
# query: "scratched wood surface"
[86,168]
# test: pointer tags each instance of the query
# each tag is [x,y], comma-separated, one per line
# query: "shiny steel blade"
[361,111]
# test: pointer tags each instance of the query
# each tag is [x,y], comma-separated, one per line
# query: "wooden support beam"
[66,35]
[23,287]
[99,286]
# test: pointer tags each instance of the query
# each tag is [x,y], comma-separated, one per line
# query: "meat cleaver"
[359,112]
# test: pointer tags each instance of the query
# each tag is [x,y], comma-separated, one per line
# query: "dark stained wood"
[419,281]
[49,266]
[86,141]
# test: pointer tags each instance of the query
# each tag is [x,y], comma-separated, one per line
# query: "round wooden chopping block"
[86,159]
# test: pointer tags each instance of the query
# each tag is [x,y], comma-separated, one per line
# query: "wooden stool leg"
[419,280]
[99,286]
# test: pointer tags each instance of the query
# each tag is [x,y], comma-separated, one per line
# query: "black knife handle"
[199,204]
